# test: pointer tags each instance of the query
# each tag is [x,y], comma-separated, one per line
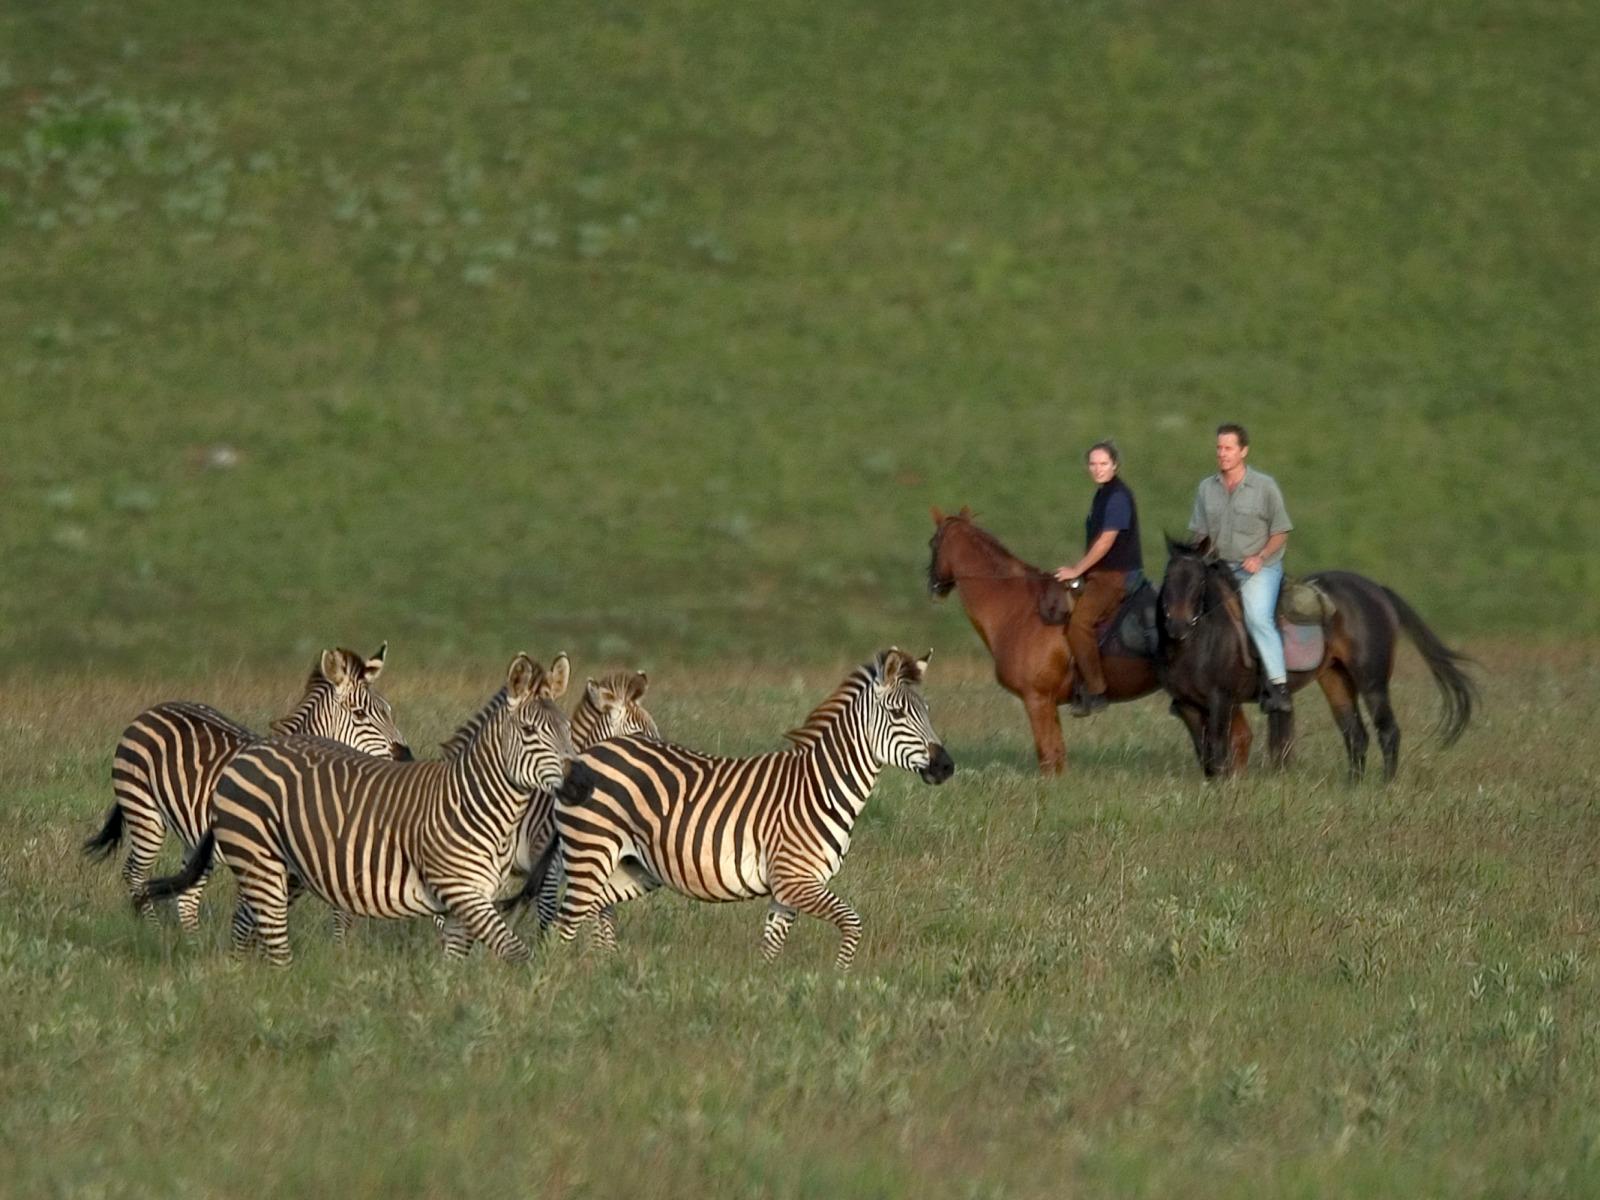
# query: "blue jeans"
[1259,592]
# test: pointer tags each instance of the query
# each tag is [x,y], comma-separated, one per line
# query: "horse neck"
[992,583]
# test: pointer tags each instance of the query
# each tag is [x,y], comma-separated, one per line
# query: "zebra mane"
[824,714]
[316,684]
[458,742]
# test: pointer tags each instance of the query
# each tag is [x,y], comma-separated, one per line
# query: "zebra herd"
[332,802]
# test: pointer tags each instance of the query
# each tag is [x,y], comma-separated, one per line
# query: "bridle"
[1202,610]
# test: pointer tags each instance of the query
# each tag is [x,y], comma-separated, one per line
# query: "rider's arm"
[1097,550]
[1274,544]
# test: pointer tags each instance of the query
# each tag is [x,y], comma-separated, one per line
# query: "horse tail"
[102,844]
[193,870]
[1455,687]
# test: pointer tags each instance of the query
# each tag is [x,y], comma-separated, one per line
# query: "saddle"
[1130,630]
[1304,610]
[1303,613]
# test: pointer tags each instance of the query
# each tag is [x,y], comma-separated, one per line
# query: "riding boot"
[1086,704]
[1275,699]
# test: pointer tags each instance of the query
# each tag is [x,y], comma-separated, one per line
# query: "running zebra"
[383,839]
[168,760]
[609,707]
[634,814]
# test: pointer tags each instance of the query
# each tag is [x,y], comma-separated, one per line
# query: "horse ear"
[938,516]
[966,513]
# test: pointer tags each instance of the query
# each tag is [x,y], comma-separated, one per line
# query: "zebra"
[381,839]
[609,707]
[168,760]
[634,814]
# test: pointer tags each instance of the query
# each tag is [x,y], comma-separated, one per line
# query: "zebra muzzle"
[940,766]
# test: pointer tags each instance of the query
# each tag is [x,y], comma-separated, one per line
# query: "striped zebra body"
[610,707]
[384,839]
[169,759]
[636,814]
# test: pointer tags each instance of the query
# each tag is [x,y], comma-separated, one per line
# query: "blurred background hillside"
[652,331]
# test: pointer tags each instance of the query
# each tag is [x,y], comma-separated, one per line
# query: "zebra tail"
[193,871]
[101,845]
[534,883]
[1456,688]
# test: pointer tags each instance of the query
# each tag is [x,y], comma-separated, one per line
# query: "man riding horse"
[1240,511]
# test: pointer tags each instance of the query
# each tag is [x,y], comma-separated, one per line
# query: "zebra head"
[611,708]
[340,705]
[536,737]
[899,729]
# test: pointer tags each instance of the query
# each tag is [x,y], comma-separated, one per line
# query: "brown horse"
[1207,667]
[1001,595]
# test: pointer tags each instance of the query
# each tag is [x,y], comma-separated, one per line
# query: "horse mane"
[459,741]
[823,715]
[995,546]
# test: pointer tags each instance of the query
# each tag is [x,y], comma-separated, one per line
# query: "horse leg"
[1217,759]
[1239,739]
[1280,739]
[1194,720]
[1388,728]
[1046,723]
[1340,689]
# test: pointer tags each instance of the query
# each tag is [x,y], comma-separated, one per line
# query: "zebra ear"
[555,680]
[523,676]
[892,663]
[637,682]
[373,667]
[335,667]
[921,665]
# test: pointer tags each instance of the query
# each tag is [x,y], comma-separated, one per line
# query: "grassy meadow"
[1121,982]
[650,333]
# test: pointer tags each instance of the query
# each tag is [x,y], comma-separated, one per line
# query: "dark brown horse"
[1001,595]
[1210,672]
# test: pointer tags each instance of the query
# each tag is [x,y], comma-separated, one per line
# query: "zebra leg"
[482,922]
[243,931]
[812,896]
[457,940]
[343,923]
[265,893]
[549,902]
[587,871]
[775,931]
[189,903]
[146,831]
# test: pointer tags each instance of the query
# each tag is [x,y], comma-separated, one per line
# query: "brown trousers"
[1102,592]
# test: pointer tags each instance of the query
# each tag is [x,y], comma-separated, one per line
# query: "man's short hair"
[1237,430]
[1109,447]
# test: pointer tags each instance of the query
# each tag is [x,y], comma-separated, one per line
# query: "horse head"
[941,571]
[1183,587]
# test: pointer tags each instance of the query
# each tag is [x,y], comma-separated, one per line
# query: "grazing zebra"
[384,839]
[634,814]
[168,760]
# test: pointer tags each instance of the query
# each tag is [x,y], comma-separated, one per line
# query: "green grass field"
[650,332]
[655,330]
[1121,982]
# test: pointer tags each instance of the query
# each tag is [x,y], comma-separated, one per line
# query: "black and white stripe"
[635,814]
[169,759]
[384,839]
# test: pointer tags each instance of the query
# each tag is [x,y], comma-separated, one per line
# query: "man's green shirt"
[1240,522]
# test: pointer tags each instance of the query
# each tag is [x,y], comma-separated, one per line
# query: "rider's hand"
[1252,564]
[1066,574]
